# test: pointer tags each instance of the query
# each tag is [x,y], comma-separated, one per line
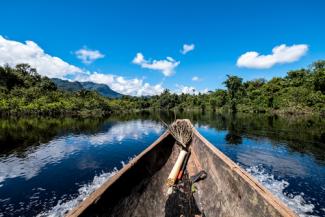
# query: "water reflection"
[126,130]
[17,135]
[35,159]
[28,164]
[233,136]
[304,134]
[62,164]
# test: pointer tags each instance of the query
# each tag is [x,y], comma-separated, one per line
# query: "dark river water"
[48,165]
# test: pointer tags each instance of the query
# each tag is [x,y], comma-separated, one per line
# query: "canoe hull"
[139,189]
[120,196]
[235,192]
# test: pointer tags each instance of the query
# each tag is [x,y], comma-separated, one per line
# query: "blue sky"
[115,31]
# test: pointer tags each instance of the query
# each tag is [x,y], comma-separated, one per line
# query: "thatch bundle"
[181,129]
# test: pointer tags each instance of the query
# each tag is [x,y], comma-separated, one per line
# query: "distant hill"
[74,86]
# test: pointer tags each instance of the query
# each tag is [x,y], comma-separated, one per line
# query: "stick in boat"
[181,172]
[174,173]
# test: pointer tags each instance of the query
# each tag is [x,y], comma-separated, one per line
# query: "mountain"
[74,86]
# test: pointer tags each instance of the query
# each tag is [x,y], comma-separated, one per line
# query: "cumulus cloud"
[280,54]
[88,56]
[14,52]
[187,48]
[166,66]
[134,87]
[189,90]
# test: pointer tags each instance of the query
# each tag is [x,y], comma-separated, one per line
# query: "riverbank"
[98,113]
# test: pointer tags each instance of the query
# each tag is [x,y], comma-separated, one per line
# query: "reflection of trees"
[19,133]
[233,139]
[233,136]
[304,134]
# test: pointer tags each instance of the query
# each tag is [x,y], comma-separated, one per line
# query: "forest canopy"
[24,91]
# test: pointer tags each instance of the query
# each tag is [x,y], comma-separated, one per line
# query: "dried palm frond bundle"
[181,129]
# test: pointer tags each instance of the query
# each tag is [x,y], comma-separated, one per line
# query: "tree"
[26,69]
[234,85]
[318,69]
[47,85]
[213,104]
[167,100]
[8,78]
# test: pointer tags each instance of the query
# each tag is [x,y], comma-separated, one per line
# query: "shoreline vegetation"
[23,92]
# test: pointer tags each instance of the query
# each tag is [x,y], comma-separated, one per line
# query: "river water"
[48,165]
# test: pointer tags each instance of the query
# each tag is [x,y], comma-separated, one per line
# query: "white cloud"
[88,56]
[195,78]
[187,48]
[185,89]
[188,90]
[138,59]
[134,87]
[14,52]
[166,66]
[280,54]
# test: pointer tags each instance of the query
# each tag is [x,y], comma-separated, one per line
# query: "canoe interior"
[140,189]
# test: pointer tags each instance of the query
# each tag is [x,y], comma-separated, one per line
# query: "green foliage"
[234,86]
[301,91]
[23,91]
[318,69]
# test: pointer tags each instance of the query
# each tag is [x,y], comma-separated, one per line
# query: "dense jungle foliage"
[300,92]
[24,91]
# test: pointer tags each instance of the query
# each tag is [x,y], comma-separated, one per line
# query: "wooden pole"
[181,172]
[174,173]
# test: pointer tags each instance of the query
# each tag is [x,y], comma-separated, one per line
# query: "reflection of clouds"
[13,166]
[285,166]
[87,163]
[121,131]
[35,159]
[203,126]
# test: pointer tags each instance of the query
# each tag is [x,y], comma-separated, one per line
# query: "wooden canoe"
[139,188]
